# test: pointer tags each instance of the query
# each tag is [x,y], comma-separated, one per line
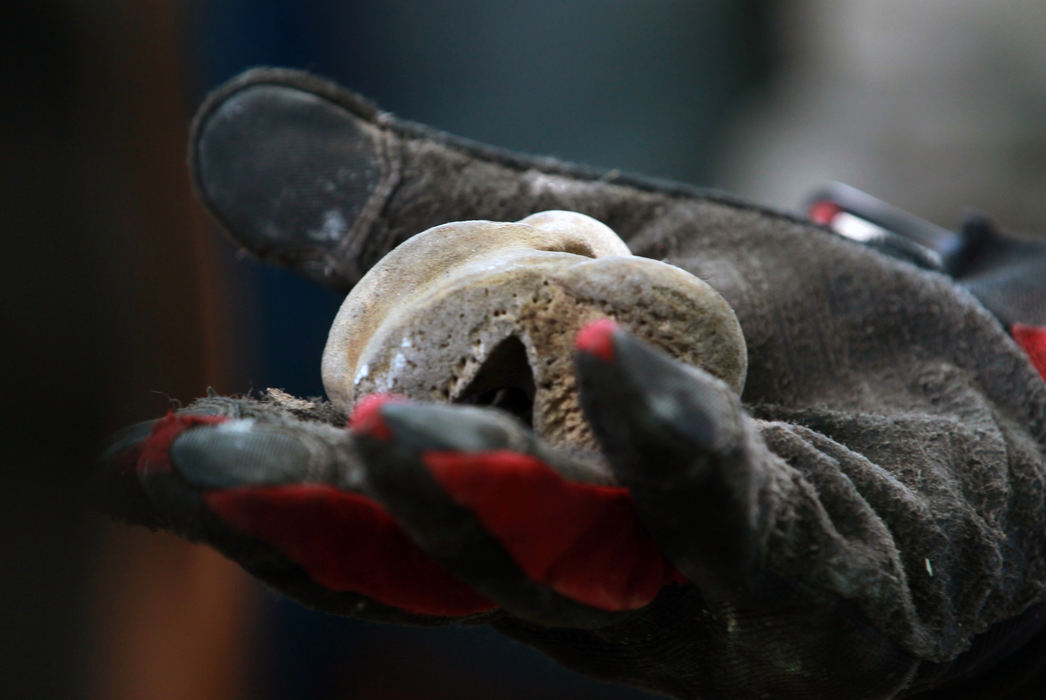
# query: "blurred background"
[121,300]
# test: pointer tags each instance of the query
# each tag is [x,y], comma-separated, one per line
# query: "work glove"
[865,519]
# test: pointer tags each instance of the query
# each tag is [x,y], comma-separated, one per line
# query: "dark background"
[120,300]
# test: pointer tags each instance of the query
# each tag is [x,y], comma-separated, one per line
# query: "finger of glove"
[732,516]
[471,490]
[680,441]
[340,183]
[284,501]
[119,492]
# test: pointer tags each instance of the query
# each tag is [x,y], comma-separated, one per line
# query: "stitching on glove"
[349,249]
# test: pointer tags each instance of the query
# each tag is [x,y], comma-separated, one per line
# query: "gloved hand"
[868,519]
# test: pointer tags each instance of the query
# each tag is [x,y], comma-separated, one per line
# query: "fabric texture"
[896,431]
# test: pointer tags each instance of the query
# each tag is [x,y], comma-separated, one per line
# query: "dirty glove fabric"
[868,518]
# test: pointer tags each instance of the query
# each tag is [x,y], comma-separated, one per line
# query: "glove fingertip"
[597,339]
[366,418]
